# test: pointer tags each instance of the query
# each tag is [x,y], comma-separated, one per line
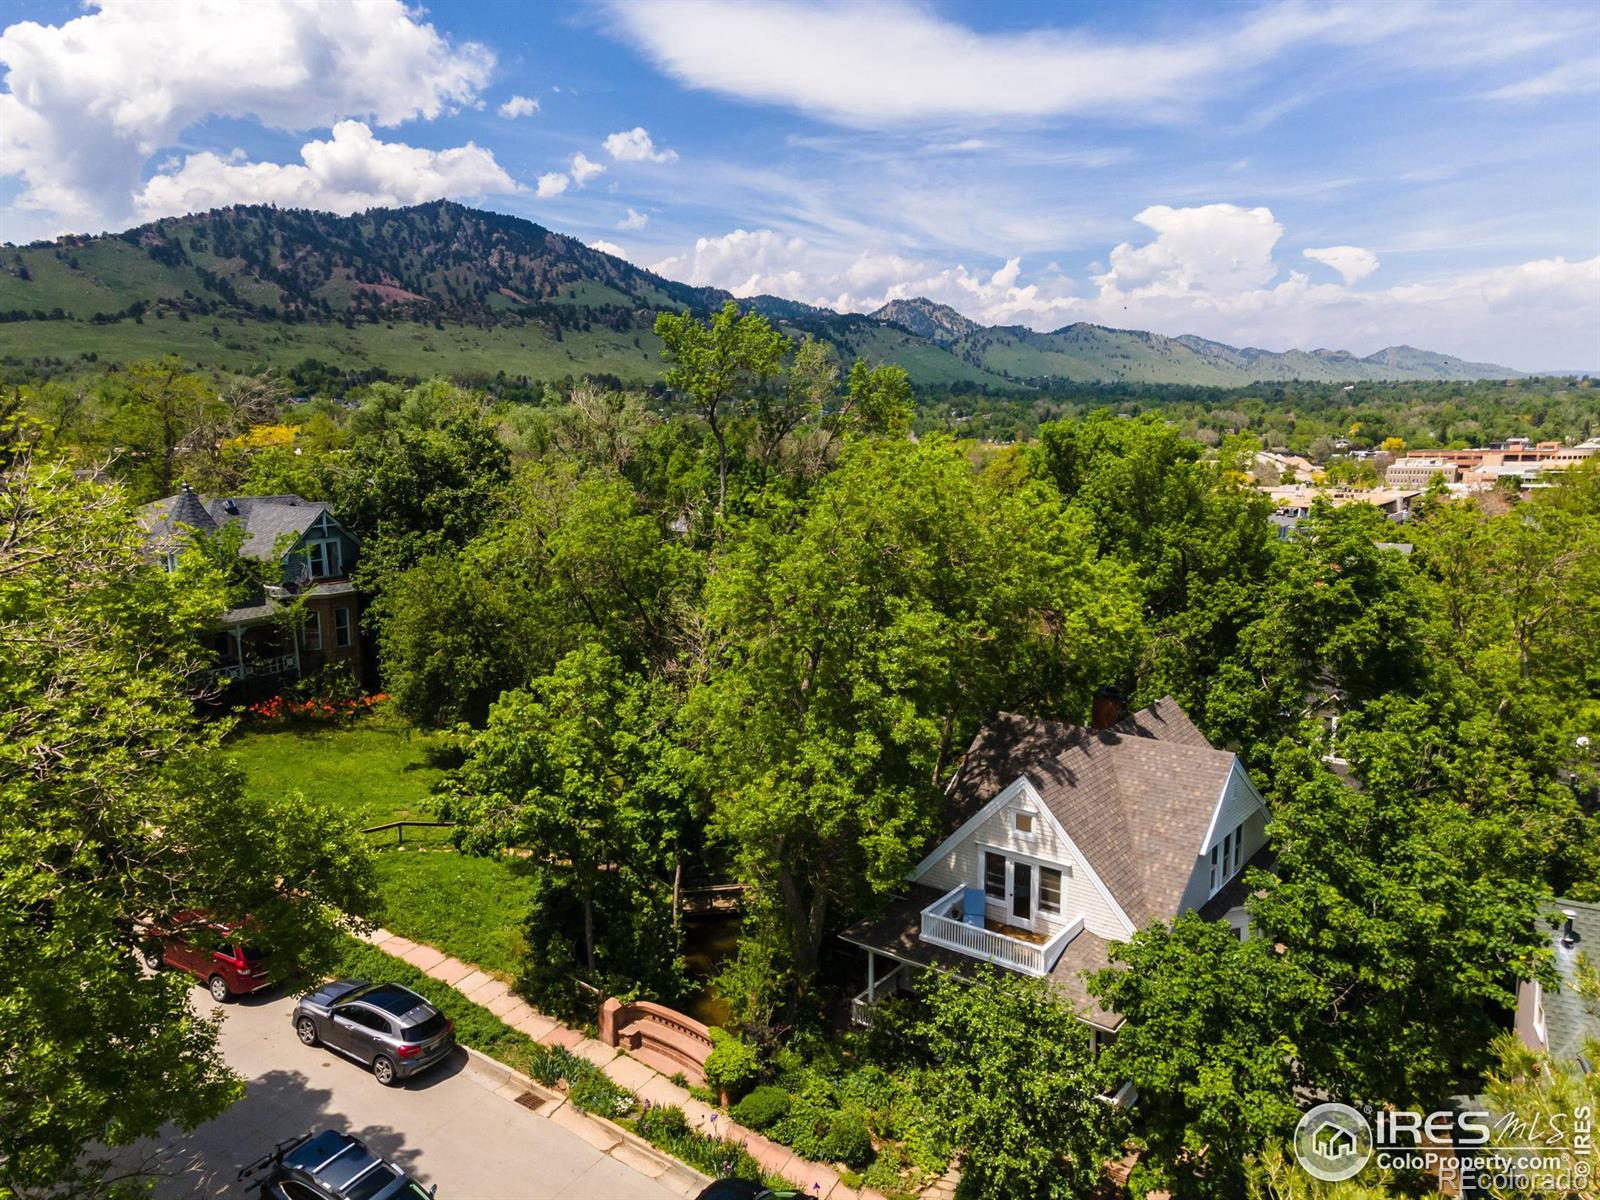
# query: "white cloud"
[745,262]
[1352,262]
[611,248]
[1212,248]
[552,184]
[763,261]
[585,169]
[519,106]
[634,220]
[1207,270]
[635,145]
[351,171]
[895,61]
[1580,77]
[92,100]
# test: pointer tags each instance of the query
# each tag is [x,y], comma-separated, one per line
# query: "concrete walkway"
[817,1179]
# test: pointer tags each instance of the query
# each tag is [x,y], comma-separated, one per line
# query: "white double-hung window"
[1227,856]
[323,559]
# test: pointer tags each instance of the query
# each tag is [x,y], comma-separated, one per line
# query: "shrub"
[594,1091]
[668,1129]
[732,1065]
[762,1108]
[805,1127]
[848,1139]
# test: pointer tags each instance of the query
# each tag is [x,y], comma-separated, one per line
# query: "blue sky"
[1306,174]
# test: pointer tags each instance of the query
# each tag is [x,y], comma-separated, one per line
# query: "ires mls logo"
[1466,1149]
[1333,1142]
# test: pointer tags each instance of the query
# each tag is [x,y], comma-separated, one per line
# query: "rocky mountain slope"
[441,287]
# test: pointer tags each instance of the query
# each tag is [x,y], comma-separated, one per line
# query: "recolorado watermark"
[1463,1148]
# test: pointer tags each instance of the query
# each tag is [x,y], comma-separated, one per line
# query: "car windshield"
[371,1183]
[424,1029]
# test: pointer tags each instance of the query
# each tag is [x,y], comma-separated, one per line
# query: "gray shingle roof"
[1567,1019]
[268,521]
[1136,798]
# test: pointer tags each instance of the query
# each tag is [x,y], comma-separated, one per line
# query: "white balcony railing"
[941,928]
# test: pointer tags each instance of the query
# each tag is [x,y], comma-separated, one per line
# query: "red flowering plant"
[332,695]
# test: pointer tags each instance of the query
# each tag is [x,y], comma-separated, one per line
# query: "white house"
[1063,839]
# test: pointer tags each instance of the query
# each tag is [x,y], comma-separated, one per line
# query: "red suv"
[211,951]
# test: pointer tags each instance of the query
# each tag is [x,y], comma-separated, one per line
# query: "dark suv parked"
[382,1025]
[330,1166]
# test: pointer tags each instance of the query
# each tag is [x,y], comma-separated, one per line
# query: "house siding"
[962,866]
[294,560]
[1240,802]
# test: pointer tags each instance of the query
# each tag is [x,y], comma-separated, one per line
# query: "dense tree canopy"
[744,625]
[853,650]
[116,808]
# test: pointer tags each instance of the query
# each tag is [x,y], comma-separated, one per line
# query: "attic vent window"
[1022,822]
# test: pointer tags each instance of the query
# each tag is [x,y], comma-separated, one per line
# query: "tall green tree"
[582,769]
[851,653]
[715,363]
[422,476]
[1017,1087]
[116,806]
[1209,1040]
[161,417]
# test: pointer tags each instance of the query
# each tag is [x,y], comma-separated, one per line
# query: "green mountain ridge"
[441,288]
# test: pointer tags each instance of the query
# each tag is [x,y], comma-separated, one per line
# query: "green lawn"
[469,907]
[378,770]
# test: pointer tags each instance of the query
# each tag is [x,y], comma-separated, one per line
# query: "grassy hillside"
[444,289]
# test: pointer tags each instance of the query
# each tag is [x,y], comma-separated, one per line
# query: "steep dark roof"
[1136,798]
[166,520]
[268,520]
[1567,1018]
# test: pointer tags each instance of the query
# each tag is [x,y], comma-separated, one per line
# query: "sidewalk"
[818,1180]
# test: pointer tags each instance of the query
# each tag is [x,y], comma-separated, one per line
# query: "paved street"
[454,1126]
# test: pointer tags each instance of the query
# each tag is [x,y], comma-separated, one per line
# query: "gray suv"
[381,1025]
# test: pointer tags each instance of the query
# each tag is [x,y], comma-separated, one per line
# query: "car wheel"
[307,1029]
[153,957]
[219,989]
[383,1070]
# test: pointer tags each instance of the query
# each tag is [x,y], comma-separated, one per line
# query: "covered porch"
[899,949]
[251,647]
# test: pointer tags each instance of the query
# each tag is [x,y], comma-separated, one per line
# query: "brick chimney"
[1107,709]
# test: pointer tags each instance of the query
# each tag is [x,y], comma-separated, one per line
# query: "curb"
[675,1174]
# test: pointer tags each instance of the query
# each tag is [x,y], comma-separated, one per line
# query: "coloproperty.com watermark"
[1463,1148]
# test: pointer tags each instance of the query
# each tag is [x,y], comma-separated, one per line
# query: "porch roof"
[896,933]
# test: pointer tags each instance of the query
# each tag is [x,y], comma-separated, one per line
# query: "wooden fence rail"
[399,828]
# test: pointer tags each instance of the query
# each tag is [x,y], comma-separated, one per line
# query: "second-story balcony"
[946,923]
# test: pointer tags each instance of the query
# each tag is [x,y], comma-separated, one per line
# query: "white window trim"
[332,558]
[348,631]
[1020,787]
[1062,875]
[1031,834]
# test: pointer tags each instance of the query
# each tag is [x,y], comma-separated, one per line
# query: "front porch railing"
[1030,958]
[861,1004]
[280,664]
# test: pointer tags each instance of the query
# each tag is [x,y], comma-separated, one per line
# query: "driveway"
[451,1126]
